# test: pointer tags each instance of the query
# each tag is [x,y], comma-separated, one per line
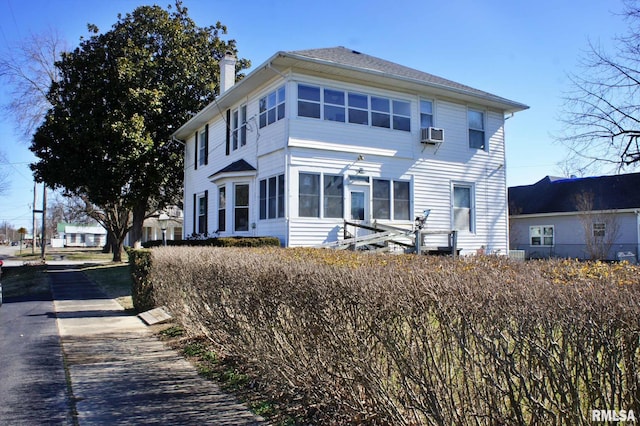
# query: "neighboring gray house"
[312,138]
[584,218]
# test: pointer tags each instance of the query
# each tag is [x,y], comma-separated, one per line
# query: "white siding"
[304,145]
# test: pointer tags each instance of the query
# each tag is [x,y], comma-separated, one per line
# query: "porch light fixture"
[163,221]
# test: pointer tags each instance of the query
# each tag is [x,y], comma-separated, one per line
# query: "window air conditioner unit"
[432,135]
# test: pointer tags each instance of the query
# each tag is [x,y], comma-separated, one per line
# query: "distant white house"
[314,138]
[152,228]
[73,235]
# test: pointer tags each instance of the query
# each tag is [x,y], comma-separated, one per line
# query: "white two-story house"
[312,138]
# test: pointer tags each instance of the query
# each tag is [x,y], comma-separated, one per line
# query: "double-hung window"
[333,196]
[381,199]
[380,112]
[202,147]
[308,101]
[476,129]
[222,208]
[358,108]
[241,207]
[272,107]
[334,109]
[391,199]
[426,114]
[401,200]
[272,197]
[599,229]
[541,235]
[401,115]
[202,214]
[463,208]
[239,127]
[309,195]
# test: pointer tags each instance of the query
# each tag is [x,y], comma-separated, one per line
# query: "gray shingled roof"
[236,166]
[558,195]
[354,59]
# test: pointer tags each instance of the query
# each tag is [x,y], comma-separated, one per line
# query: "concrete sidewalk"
[121,373]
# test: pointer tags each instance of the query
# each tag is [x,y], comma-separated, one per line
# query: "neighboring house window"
[309,195]
[337,105]
[476,129]
[381,199]
[222,208]
[599,229]
[387,193]
[308,101]
[272,197]
[401,200]
[333,196]
[239,126]
[272,107]
[541,235]
[202,147]
[426,114]
[462,208]
[241,207]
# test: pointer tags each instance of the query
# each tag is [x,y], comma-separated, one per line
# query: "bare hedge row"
[417,340]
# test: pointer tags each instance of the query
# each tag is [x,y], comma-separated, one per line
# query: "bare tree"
[601,228]
[4,174]
[28,70]
[601,111]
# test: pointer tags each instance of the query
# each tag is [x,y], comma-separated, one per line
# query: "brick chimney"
[227,72]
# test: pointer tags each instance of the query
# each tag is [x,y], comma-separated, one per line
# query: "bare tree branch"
[28,71]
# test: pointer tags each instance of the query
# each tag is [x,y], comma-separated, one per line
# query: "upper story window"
[334,105]
[202,147]
[476,129]
[239,127]
[599,229]
[272,107]
[352,107]
[426,114]
[308,101]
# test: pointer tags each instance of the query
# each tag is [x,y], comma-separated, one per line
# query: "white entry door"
[359,204]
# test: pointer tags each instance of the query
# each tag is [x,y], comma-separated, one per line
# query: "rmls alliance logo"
[613,416]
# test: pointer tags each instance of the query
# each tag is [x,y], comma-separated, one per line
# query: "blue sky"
[520,50]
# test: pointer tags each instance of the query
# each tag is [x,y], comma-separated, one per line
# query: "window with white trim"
[272,197]
[272,107]
[202,147]
[426,114]
[241,207]
[391,199]
[542,235]
[239,127]
[463,208]
[357,108]
[476,129]
[202,214]
[599,229]
[222,208]
[333,196]
[309,195]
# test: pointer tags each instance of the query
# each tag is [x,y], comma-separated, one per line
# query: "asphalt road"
[33,386]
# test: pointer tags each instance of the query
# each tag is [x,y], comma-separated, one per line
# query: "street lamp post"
[163,220]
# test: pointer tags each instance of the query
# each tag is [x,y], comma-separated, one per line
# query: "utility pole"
[43,240]
[33,214]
